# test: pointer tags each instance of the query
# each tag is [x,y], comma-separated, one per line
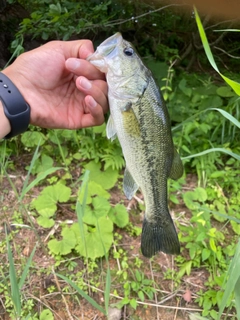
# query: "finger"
[97,89]
[84,68]
[86,49]
[72,49]
[95,117]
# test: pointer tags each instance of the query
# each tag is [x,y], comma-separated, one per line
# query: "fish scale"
[140,120]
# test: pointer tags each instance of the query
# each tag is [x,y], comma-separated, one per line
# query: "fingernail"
[73,63]
[85,84]
[91,102]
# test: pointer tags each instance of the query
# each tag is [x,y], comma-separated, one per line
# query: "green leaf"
[141,295]
[101,207]
[32,138]
[65,245]
[205,254]
[46,203]
[133,303]
[138,276]
[46,315]
[191,197]
[185,268]
[184,89]
[212,245]
[95,238]
[107,179]
[236,227]
[119,215]
[94,189]
[225,92]
[45,222]
[44,164]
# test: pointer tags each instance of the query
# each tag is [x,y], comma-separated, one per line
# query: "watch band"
[15,107]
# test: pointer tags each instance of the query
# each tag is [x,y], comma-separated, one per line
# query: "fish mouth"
[105,49]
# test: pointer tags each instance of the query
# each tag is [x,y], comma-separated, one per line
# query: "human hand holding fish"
[140,120]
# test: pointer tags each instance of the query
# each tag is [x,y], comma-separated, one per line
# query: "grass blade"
[231,30]
[107,289]
[80,207]
[234,85]
[205,41]
[237,297]
[83,294]
[223,112]
[108,279]
[227,116]
[16,298]
[84,188]
[232,281]
[11,183]
[232,154]
[25,271]
[40,177]
[34,158]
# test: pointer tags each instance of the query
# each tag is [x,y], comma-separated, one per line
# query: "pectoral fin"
[111,130]
[177,166]
[129,185]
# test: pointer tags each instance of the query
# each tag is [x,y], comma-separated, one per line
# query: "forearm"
[4,123]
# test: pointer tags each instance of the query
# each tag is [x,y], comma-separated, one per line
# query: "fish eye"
[128,51]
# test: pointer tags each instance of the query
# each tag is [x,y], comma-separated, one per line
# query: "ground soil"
[171,302]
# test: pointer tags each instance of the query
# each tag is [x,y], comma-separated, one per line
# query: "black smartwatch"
[15,107]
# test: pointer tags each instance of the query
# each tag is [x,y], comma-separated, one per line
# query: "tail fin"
[156,237]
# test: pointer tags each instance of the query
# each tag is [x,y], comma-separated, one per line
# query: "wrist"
[5,127]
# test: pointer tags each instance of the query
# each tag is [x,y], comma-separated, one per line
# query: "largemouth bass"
[140,120]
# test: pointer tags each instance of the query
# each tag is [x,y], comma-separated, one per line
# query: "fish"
[140,120]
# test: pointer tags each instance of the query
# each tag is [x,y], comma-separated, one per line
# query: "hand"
[61,87]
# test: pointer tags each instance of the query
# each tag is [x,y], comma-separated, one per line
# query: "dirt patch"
[47,291]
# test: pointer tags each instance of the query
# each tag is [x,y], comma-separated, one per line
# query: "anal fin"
[177,166]
[129,185]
